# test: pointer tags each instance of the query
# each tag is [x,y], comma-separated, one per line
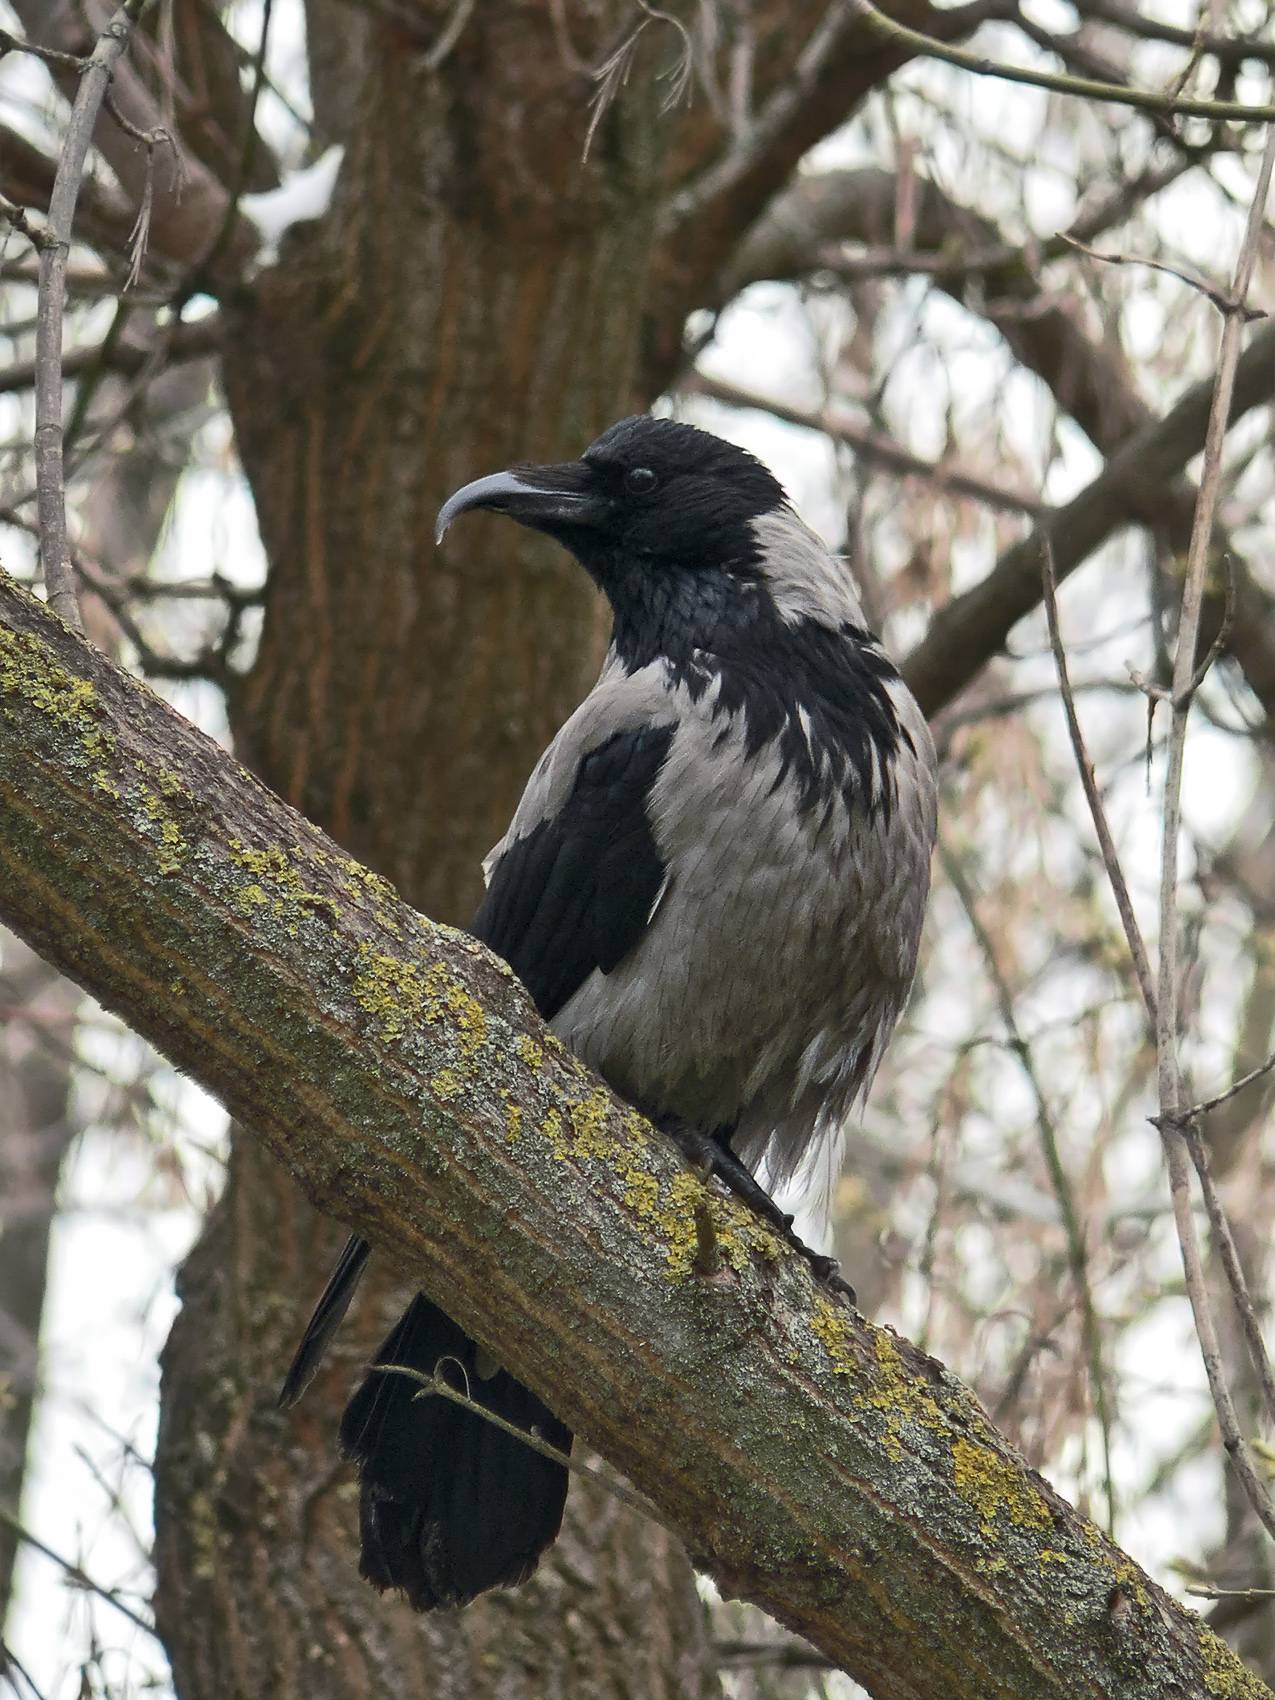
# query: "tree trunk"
[37,1021]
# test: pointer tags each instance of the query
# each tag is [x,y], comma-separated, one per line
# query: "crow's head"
[647,487]
[682,530]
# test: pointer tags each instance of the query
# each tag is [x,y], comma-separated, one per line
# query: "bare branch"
[73,1572]
[51,496]
[1227,49]
[1217,296]
[1106,843]
[967,631]
[1172,1132]
[186,341]
[1224,1244]
[1083,88]
[1240,1085]
[1077,1252]
[871,445]
[182,227]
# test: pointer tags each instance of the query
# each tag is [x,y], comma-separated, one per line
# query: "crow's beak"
[543,497]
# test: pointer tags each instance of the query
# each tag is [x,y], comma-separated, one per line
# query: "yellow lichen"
[894,1391]
[288,893]
[447,1084]
[388,989]
[362,882]
[987,1482]
[553,1132]
[588,1121]
[641,1191]
[513,1116]
[1224,1674]
[28,669]
[533,1055]
[440,992]
[828,1325]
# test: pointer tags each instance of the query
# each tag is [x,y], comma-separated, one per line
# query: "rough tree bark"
[37,1021]
[816,1464]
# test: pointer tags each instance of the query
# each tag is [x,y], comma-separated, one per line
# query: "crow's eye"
[640,480]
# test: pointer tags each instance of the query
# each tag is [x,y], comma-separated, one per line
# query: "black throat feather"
[721,623]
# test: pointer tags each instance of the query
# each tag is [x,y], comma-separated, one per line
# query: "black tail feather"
[449,1505]
[333,1303]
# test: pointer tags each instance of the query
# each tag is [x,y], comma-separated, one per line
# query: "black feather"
[576,893]
[449,1504]
[333,1303]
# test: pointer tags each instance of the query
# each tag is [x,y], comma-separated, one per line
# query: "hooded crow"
[713,888]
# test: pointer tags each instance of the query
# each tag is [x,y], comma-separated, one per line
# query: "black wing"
[577,892]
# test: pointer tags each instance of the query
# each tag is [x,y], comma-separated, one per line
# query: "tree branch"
[969,630]
[868,444]
[816,1464]
[183,342]
[184,225]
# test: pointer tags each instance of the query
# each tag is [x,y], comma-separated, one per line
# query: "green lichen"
[988,1483]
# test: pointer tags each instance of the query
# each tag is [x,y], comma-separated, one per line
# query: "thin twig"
[435,1384]
[10,43]
[1170,1120]
[1233,1269]
[1206,1591]
[15,215]
[870,445]
[1231,1091]
[1077,1253]
[1106,843]
[1217,296]
[59,580]
[1084,88]
[450,36]
[80,1577]
[1219,643]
